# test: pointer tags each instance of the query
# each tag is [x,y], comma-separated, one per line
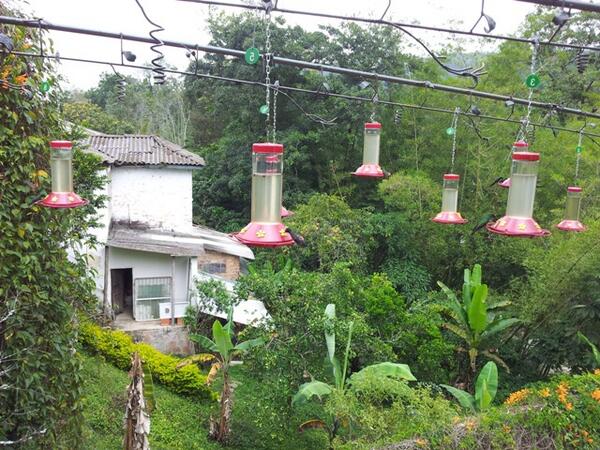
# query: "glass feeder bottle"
[370,167]
[518,146]
[450,212]
[571,221]
[518,220]
[61,170]
[265,228]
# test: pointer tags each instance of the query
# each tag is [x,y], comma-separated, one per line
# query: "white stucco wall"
[146,265]
[161,197]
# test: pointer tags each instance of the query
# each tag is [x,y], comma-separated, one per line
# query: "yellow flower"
[517,397]
[470,425]
[506,428]
[596,395]
[545,393]
[597,372]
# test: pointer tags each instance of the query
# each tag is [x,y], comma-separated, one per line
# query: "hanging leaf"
[309,390]
[212,373]
[465,399]
[330,331]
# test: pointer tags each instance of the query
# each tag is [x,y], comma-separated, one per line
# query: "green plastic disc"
[579,149]
[45,86]
[450,131]
[264,109]
[532,81]
[252,55]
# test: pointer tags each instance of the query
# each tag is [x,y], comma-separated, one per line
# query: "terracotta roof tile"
[137,150]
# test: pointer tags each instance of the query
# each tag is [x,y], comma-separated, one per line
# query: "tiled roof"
[141,150]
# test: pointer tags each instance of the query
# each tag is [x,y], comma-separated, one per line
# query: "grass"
[182,423]
[177,423]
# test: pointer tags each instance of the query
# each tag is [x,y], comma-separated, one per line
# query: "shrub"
[117,347]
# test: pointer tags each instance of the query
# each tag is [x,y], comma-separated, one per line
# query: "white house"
[150,250]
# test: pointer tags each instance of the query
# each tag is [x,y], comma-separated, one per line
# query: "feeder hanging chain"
[268,68]
[275,92]
[526,129]
[578,159]
[454,126]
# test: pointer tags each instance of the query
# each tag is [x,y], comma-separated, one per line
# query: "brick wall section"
[232,263]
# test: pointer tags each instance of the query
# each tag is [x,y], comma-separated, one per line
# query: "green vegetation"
[371,250]
[117,347]
[224,349]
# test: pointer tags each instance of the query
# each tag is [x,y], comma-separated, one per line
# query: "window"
[149,293]
[214,268]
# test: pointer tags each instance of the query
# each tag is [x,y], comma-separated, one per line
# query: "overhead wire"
[305,64]
[402,24]
[304,91]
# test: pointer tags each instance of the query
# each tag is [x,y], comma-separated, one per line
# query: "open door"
[121,291]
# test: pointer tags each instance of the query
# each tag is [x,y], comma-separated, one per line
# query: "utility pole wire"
[302,64]
[405,25]
[308,91]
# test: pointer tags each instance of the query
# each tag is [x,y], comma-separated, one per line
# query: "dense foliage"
[117,347]
[44,276]
[371,248]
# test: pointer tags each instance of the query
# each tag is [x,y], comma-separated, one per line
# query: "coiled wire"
[121,85]
[157,62]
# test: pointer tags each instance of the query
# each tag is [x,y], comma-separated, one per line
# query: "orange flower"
[544,392]
[568,406]
[506,428]
[517,397]
[562,390]
[21,79]
[596,395]
[421,442]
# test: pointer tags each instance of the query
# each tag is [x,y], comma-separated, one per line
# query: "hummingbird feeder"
[265,228]
[518,220]
[61,169]
[449,213]
[519,146]
[370,167]
[571,221]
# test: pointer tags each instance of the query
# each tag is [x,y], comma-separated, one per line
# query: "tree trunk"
[137,421]
[226,406]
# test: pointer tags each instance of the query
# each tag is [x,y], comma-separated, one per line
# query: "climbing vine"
[44,279]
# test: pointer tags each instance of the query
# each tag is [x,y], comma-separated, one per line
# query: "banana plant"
[223,351]
[595,351]
[341,381]
[486,387]
[474,318]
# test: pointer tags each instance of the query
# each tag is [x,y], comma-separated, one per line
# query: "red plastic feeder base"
[571,225]
[449,218]
[505,184]
[369,171]
[517,226]
[62,200]
[259,234]
[286,212]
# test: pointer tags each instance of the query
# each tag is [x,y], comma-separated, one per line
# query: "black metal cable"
[304,64]
[404,25]
[157,62]
[307,91]
[121,84]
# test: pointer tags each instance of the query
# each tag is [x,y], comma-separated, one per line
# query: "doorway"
[121,288]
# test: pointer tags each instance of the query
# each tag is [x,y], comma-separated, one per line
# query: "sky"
[186,22]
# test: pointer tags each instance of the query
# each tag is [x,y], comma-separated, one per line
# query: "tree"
[474,320]
[90,115]
[485,390]
[44,276]
[224,349]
